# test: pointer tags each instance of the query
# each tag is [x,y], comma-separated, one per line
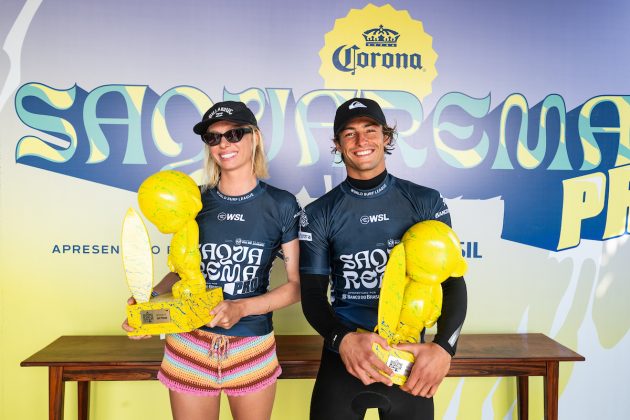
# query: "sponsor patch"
[305,236]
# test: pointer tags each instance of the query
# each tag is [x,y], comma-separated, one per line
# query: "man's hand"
[226,314]
[125,325]
[431,366]
[356,353]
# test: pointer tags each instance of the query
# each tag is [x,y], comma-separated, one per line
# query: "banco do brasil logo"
[379,48]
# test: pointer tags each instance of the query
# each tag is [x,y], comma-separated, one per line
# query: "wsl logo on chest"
[374,218]
[229,217]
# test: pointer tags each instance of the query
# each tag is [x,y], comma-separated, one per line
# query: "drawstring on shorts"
[219,350]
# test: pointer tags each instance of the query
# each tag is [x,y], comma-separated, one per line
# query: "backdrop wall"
[516,111]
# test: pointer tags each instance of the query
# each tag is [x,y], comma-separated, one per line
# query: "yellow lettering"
[618,202]
[583,198]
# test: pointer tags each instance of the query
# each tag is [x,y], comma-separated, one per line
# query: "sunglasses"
[233,136]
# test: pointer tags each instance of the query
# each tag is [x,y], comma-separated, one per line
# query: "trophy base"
[399,361]
[165,314]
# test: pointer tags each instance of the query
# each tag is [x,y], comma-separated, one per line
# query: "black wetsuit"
[345,240]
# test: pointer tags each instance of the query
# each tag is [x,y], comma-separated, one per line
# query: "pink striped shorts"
[204,363]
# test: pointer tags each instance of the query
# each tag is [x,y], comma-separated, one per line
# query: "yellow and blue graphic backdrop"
[517,112]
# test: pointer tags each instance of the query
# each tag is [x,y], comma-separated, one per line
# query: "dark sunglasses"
[233,136]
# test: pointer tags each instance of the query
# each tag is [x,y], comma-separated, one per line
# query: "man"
[345,239]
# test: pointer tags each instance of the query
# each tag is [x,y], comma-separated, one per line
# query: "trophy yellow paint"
[411,292]
[171,201]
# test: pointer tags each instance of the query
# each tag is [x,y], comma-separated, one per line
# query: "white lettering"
[442,213]
[364,268]
[230,263]
[374,218]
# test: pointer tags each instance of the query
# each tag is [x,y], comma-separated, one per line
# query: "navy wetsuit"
[345,240]
[238,240]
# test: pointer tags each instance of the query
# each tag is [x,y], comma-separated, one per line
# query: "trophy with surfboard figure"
[170,200]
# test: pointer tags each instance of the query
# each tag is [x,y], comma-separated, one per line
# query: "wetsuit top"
[238,240]
[348,234]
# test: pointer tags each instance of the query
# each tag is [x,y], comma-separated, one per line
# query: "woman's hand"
[227,313]
[125,325]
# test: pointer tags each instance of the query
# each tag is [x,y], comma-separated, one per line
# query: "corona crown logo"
[393,53]
[380,37]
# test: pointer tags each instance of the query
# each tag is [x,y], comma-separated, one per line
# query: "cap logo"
[356,104]
[219,112]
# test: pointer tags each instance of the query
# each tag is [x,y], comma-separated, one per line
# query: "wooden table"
[116,358]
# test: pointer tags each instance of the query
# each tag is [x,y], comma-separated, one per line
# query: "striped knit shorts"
[203,363]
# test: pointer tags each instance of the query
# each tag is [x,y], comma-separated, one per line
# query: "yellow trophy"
[171,201]
[411,291]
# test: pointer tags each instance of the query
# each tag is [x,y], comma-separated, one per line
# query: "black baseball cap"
[236,112]
[358,107]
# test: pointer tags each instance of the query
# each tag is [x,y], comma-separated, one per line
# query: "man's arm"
[433,360]
[454,307]
[318,311]
[355,349]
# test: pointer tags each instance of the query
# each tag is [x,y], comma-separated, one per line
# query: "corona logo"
[381,37]
[347,60]
[393,54]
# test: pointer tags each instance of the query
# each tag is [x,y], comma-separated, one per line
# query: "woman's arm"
[165,285]
[229,312]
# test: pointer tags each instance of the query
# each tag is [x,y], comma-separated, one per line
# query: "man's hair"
[389,132]
[212,170]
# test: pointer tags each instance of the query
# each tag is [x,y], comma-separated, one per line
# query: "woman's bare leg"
[254,406]
[194,407]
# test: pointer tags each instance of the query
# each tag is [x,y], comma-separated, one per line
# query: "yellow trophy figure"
[411,292]
[171,201]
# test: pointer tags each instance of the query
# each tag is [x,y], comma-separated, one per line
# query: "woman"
[243,224]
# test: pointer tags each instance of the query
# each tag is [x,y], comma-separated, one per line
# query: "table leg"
[551,391]
[55,393]
[83,392]
[523,397]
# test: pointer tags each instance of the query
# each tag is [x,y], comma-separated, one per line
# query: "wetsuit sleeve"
[318,311]
[454,306]
[439,210]
[314,279]
[291,212]
[314,247]
[455,300]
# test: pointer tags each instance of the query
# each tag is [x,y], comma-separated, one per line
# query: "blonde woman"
[243,225]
